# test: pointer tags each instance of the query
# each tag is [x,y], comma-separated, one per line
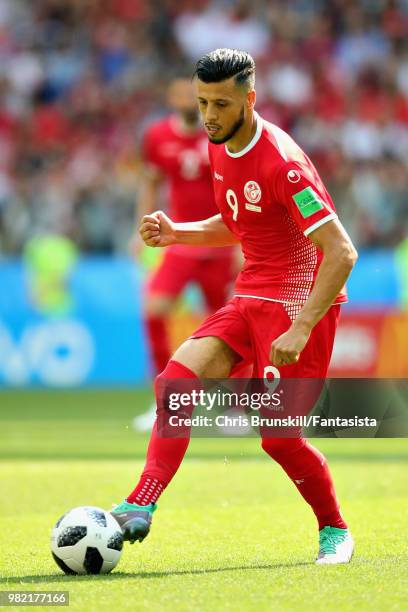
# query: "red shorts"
[213,275]
[249,325]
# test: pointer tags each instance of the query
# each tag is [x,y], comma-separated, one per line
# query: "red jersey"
[271,198]
[183,159]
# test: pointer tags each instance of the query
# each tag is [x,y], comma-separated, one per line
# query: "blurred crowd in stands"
[80,79]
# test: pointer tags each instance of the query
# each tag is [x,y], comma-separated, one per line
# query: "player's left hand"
[286,348]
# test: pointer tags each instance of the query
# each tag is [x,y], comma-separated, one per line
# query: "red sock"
[156,329]
[308,469]
[164,455]
[147,491]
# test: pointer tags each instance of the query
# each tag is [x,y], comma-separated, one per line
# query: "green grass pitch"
[231,532]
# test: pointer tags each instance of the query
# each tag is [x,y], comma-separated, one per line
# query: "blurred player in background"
[284,313]
[175,155]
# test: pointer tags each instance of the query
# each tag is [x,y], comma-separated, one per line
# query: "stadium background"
[79,81]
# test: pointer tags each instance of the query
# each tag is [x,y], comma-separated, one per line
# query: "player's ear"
[251,98]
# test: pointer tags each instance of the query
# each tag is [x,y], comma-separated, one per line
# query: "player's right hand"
[157,230]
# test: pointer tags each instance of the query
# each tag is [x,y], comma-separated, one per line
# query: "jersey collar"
[252,142]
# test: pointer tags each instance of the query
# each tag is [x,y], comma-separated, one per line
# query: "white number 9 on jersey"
[232,201]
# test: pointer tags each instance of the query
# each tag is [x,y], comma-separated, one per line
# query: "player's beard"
[237,125]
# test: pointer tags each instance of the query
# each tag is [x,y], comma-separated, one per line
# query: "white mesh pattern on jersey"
[298,281]
[292,310]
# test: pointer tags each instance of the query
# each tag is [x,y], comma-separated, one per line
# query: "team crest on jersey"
[252,192]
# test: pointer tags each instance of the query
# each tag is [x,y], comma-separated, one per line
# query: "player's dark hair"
[223,64]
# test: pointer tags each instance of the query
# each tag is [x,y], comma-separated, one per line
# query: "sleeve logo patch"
[293,176]
[308,202]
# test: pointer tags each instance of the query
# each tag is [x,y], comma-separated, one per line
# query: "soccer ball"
[86,540]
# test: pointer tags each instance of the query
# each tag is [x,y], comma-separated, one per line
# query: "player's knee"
[207,357]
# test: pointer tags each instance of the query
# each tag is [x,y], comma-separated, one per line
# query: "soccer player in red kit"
[287,298]
[175,155]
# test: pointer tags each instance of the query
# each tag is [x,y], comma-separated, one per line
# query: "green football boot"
[134,520]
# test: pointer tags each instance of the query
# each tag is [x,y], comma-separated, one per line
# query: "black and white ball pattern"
[86,540]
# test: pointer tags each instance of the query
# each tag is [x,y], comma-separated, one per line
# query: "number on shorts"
[271,383]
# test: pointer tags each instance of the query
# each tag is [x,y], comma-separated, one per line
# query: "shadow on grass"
[144,575]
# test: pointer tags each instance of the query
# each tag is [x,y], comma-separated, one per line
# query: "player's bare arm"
[339,257]
[157,230]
